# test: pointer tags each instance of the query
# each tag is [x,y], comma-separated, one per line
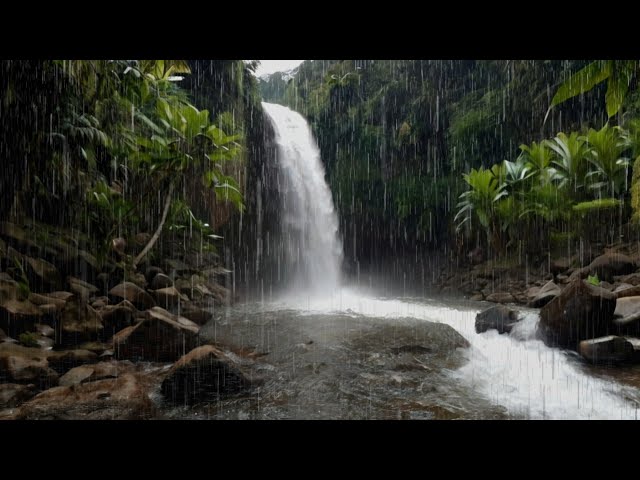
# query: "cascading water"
[312,250]
[516,371]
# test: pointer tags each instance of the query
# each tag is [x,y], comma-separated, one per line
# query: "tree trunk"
[156,235]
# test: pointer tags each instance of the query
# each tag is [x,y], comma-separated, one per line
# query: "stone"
[199,313]
[41,272]
[627,290]
[169,298]
[100,302]
[560,265]
[119,245]
[17,316]
[606,350]
[79,322]
[546,293]
[2,335]
[178,266]
[500,297]
[478,297]
[13,394]
[204,374]
[580,312]
[20,364]
[632,279]
[161,337]
[499,317]
[150,273]
[63,360]
[160,280]
[611,264]
[44,330]
[49,309]
[122,398]
[133,293]
[627,306]
[60,295]
[38,299]
[81,288]
[96,372]
[117,317]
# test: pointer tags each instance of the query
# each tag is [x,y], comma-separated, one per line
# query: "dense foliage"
[118,147]
[402,140]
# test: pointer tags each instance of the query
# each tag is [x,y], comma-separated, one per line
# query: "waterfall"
[311,248]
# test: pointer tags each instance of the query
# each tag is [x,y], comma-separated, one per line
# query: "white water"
[313,251]
[515,370]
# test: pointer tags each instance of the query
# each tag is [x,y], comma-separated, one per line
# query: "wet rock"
[96,372]
[49,309]
[627,290]
[635,343]
[161,337]
[546,293]
[63,360]
[17,316]
[122,398]
[161,281]
[119,246]
[579,273]
[25,365]
[560,265]
[60,295]
[44,330]
[117,317]
[611,264]
[580,312]
[169,298]
[96,347]
[199,313]
[563,279]
[44,343]
[138,279]
[177,266]
[205,373]
[100,302]
[500,297]
[606,350]
[150,273]
[82,289]
[632,279]
[478,297]
[627,306]
[13,394]
[79,322]
[42,273]
[38,299]
[133,293]
[2,335]
[499,317]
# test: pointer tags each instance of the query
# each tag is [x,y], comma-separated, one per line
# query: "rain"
[319,239]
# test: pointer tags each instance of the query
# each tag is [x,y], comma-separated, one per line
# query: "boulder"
[498,317]
[133,293]
[122,398]
[60,295]
[200,312]
[606,350]
[632,279]
[500,297]
[96,372]
[627,290]
[100,302]
[545,294]
[204,374]
[44,330]
[82,289]
[42,273]
[25,365]
[38,299]
[627,306]
[478,297]
[581,311]
[161,281]
[79,322]
[63,360]
[18,316]
[13,394]
[117,317]
[611,264]
[161,337]
[150,273]
[169,298]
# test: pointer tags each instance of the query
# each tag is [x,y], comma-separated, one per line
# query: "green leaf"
[617,87]
[583,81]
